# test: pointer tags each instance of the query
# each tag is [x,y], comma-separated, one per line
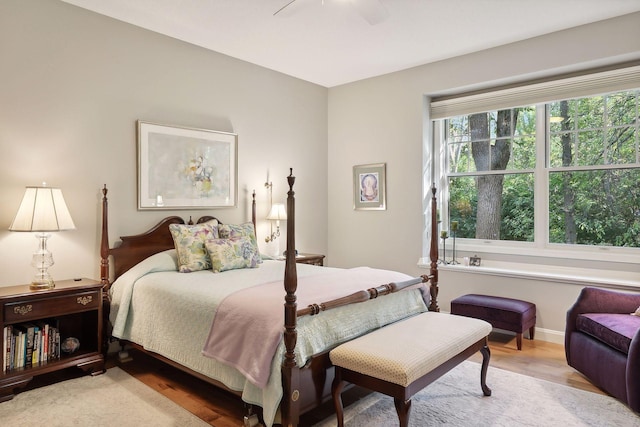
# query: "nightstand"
[72,309]
[312,259]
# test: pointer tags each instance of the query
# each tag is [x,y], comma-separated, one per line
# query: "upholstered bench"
[401,359]
[503,313]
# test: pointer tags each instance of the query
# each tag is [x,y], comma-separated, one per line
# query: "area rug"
[112,399]
[517,400]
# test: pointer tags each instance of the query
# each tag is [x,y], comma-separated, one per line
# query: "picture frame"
[369,187]
[186,168]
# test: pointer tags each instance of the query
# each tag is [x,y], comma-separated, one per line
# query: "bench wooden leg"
[336,393]
[519,341]
[486,355]
[403,408]
[532,331]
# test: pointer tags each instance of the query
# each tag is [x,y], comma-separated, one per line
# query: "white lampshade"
[278,212]
[42,209]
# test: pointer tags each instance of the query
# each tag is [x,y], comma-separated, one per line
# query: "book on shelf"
[15,348]
[18,352]
[4,349]
[37,339]
[28,357]
[44,347]
[26,345]
[8,335]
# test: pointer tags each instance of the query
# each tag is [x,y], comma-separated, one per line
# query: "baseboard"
[549,335]
[541,334]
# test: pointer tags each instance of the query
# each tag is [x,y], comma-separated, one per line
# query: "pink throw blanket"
[249,324]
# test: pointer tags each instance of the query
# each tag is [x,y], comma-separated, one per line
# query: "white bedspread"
[171,313]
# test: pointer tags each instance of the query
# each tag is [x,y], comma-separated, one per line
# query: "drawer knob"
[23,309]
[84,300]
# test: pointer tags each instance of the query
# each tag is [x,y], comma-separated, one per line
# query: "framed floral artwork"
[186,168]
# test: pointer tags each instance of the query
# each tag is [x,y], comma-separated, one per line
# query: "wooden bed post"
[290,373]
[433,253]
[104,242]
[253,210]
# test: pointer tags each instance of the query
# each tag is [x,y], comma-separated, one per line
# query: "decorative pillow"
[231,254]
[231,231]
[189,241]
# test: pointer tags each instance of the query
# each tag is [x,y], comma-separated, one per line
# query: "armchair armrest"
[598,300]
[633,373]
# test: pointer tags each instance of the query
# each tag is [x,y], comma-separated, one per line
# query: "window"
[594,170]
[565,172]
[490,169]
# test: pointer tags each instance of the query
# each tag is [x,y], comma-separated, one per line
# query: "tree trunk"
[569,196]
[489,207]
[488,156]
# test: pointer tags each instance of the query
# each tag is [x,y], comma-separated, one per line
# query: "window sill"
[616,279]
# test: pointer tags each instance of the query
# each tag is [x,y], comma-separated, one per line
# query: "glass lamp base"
[42,283]
[42,259]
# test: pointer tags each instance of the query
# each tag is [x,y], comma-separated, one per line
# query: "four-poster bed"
[305,371]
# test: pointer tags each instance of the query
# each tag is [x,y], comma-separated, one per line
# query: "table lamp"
[276,214]
[42,210]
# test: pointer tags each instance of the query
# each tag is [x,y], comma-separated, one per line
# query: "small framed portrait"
[474,261]
[369,187]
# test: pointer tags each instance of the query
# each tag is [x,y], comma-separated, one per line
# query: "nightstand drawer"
[39,308]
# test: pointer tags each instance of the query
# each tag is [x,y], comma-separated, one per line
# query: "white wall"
[381,120]
[73,83]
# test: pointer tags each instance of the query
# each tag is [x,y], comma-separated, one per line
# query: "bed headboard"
[133,249]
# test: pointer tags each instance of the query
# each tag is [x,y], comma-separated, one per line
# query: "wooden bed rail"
[361,296]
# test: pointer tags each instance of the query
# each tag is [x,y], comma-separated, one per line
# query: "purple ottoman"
[503,313]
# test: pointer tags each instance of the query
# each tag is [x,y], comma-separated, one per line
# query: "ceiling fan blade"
[283,7]
[372,11]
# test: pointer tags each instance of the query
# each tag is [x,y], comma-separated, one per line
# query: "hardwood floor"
[538,359]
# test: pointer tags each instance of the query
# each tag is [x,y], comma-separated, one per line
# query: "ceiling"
[329,42]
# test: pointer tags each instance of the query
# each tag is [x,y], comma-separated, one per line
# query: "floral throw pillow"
[232,231]
[231,254]
[189,241]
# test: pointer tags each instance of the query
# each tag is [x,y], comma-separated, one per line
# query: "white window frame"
[539,251]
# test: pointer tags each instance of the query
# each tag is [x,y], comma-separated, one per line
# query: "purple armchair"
[602,341]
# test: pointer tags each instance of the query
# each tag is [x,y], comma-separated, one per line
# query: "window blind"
[528,94]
